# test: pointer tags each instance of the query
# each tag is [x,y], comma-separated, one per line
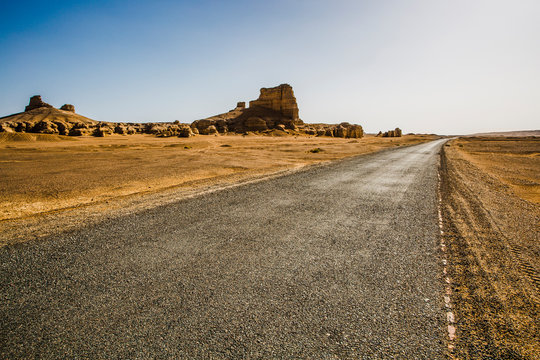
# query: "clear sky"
[450,67]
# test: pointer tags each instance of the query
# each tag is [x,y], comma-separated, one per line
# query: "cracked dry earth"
[493,239]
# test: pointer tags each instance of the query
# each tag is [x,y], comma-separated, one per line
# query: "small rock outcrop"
[209,130]
[45,127]
[390,133]
[102,129]
[68,107]
[185,132]
[120,129]
[35,103]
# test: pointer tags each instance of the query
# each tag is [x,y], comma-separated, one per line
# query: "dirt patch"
[491,227]
[515,162]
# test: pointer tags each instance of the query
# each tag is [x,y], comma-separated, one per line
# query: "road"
[338,261]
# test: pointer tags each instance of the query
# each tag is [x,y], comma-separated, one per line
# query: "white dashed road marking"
[448,290]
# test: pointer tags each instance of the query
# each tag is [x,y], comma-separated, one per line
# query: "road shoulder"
[492,237]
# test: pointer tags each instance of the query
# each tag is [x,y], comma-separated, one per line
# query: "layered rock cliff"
[276,109]
[280,98]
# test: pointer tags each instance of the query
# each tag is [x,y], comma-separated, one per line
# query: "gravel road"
[338,261]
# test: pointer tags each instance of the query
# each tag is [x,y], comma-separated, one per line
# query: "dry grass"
[39,176]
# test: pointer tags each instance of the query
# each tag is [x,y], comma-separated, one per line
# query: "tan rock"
[36,102]
[45,127]
[210,130]
[221,126]
[255,123]
[63,127]
[22,127]
[76,132]
[68,107]
[185,132]
[102,130]
[340,131]
[120,129]
[280,98]
[151,128]
[6,127]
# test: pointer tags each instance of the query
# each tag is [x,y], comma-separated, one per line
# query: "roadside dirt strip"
[450,318]
[492,248]
[337,261]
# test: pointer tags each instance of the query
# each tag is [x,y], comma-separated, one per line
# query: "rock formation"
[280,98]
[274,109]
[120,129]
[390,133]
[36,102]
[40,117]
[68,107]
[274,113]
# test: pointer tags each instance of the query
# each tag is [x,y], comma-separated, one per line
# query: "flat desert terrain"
[42,174]
[491,212]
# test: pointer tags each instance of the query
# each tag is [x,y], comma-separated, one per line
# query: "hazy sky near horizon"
[448,67]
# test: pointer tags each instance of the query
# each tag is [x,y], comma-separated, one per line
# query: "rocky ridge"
[390,133]
[275,112]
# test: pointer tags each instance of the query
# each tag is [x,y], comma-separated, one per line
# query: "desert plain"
[44,173]
[490,204]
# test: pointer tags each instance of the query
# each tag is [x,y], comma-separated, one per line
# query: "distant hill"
[520,133]
[43,118]
[274,113]
[48,114]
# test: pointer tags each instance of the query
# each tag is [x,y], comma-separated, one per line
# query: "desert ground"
[491,212]
[65,191]
[42,174]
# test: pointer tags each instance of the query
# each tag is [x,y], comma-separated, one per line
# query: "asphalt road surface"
[338,261]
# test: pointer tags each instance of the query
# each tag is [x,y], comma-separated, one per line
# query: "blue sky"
[423,65]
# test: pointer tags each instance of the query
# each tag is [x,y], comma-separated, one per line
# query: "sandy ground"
[514,162]
[40,174]
[491,221]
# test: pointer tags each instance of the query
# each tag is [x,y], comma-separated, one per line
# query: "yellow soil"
[514,161]
[39,176]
